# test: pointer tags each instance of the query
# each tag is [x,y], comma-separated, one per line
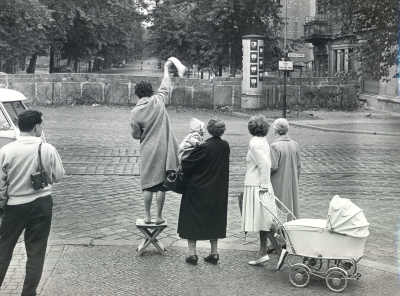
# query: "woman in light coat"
[158,145]
[257,185]
[285,167]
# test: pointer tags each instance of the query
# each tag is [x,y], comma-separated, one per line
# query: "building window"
[334,61]
[320,7]
[351,60]
[342,60]
[321,65]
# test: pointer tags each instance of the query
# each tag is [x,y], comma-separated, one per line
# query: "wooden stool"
[150,237]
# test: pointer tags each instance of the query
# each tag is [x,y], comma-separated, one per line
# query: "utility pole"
[285,59]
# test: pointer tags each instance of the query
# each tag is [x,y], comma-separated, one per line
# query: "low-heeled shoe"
[192,259]
[259,261]
[212,258]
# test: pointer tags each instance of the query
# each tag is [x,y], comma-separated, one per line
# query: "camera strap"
[40,162]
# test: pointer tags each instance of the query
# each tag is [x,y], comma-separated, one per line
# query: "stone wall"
[310,93]
[389,86]
[68,88]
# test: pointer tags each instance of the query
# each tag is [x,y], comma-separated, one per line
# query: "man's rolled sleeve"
[58,171]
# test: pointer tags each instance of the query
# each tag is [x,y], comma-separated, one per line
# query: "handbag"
[175,181]
[39,179]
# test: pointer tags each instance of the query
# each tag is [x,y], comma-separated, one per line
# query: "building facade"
[295,12]
[332,52]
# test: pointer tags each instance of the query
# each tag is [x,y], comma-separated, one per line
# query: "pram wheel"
[299,275]
[336,280]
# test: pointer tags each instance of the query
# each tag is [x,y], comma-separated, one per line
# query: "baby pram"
[328,249]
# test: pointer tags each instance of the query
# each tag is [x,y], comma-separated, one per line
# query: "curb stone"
[201,244]
[313,127]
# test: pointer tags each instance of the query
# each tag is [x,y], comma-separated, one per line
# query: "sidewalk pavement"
[114,270]
[93,242]
[365,121]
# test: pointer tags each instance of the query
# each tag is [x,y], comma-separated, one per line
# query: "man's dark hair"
[144,89]
[28,119]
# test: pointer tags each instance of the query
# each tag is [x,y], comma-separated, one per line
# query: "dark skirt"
[158,187]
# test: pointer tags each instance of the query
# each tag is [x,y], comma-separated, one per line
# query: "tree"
[209,32]
[373,27]
[77,29]
[111,29]
[23,30]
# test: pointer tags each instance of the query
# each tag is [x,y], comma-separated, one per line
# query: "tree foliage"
[209,33]
[23,27]
[79,29]
[373,27]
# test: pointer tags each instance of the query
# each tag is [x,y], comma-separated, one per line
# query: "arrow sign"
[296,55]
[285,65]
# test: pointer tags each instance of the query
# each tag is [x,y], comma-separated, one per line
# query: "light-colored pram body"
[328,249]
[311,238]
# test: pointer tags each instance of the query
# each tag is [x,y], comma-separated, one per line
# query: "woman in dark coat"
[204,205]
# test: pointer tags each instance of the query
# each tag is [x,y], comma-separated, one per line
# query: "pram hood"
[344,217]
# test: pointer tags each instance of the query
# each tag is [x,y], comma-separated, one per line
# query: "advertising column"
[253,71]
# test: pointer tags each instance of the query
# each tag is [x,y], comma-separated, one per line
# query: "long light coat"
[285,172]
[158,145]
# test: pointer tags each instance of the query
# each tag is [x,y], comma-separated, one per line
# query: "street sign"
[296,55]
[284,65]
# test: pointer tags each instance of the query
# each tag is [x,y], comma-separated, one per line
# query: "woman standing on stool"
[158,145]
[204,206]
[257,184]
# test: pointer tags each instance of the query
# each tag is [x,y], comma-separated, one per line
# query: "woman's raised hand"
[168,64]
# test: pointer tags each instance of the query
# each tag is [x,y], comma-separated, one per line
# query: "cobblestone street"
[97,204]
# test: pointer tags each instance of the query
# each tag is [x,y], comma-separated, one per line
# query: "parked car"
[11,104]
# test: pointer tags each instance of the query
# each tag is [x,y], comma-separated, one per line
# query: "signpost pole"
[284,94]
[285,66]
[284,72]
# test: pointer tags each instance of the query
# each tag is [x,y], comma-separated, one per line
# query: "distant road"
[148,67]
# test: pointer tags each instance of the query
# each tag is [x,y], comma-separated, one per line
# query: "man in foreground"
[26,208]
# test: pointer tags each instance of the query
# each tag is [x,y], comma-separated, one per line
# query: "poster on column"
[253,57]
[253,44]
[253,82]
[253,69]
[261,51]
[260,76]
[261,64]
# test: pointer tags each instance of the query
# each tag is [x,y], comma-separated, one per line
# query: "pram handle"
[286,236]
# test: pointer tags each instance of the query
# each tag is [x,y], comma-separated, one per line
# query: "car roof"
[9,95]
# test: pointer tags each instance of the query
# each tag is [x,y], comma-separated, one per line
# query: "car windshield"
[13,109]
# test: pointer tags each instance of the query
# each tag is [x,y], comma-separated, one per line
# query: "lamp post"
[285,59]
